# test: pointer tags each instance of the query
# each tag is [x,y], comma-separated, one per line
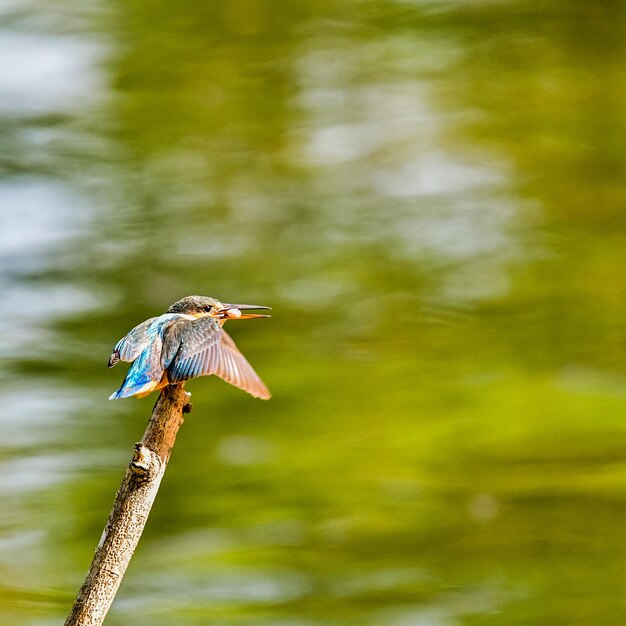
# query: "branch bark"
[131,508]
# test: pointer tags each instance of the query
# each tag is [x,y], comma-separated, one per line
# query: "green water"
[431,196]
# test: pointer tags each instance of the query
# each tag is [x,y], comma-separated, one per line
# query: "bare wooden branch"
[131,508]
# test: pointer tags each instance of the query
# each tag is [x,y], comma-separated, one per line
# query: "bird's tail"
[133,388]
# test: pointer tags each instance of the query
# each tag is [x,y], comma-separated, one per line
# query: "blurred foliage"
[431,197]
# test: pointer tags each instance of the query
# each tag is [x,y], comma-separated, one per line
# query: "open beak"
[234,311]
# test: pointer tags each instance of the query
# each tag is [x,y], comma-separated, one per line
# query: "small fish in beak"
[233,311]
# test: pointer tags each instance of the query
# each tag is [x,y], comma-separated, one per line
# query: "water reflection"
[429,195]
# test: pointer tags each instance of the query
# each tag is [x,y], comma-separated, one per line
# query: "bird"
[187,341]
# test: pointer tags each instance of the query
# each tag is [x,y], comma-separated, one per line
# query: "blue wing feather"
[144,347]
[128,348]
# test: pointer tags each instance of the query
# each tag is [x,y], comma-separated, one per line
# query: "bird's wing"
[130,347]
[201,347]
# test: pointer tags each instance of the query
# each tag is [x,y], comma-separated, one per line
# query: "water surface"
[431,197]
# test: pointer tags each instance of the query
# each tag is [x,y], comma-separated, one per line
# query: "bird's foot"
[187,407]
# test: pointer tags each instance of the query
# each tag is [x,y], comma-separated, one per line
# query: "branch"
[131,508]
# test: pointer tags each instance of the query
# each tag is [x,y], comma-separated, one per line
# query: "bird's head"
[203,306]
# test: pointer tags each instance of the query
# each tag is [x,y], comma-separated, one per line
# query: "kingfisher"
[187,341]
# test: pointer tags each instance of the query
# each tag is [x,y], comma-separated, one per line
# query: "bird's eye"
[208,308]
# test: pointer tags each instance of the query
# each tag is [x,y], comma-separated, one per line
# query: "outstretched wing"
[130,347]
[204,348]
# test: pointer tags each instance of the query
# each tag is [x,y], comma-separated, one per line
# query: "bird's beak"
[234,311]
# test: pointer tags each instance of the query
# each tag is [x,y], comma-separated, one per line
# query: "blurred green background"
[431,195]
